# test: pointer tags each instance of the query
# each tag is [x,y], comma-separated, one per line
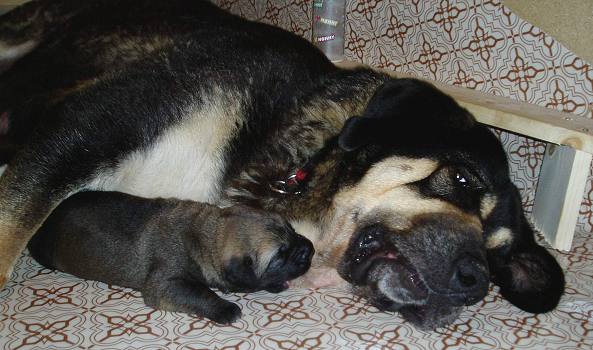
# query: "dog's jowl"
[406,198]
[172,250]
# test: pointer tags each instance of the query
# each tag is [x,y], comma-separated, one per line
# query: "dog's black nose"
[303,253]
[469,281]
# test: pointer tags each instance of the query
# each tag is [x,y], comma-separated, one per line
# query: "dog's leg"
[29,189]
[181,295]
[65,157]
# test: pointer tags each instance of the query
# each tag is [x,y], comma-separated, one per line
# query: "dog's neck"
[305,137]
[308,140]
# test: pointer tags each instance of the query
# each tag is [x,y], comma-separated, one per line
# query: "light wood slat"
[560,188]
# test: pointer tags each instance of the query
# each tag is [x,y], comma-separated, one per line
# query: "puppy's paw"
[225,313]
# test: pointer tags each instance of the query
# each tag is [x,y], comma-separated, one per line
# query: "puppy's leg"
[181,295]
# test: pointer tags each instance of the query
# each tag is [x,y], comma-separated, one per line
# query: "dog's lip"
[389,255]
[363,261]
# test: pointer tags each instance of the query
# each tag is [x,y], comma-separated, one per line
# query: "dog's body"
[172,250]
[403,194]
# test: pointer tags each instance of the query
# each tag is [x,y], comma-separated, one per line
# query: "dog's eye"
[466,179]
[461,180]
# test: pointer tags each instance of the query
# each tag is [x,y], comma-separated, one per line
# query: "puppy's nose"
[303,253]
[469,281]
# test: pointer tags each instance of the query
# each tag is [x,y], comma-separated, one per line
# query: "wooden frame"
[560,188]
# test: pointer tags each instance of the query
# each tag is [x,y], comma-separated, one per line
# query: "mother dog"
[403,194]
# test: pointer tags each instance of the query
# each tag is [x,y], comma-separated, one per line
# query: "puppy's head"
[427,215]
[260,251]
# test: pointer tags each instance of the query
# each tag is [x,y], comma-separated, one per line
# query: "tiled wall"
[476,44]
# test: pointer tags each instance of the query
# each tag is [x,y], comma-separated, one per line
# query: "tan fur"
[10,53]
[19,221]
[11,242]
[499,238]
[487,205]
[308,229]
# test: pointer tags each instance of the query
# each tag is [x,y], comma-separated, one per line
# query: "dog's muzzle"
[426,272]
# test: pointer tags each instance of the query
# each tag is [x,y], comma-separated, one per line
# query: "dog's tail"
[24,27]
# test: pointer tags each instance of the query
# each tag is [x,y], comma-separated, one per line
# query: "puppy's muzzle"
[302,253]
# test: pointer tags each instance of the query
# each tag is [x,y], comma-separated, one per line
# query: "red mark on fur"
[4,123]
[300,175]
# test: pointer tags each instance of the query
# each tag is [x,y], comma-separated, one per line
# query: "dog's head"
[259,250]
[427,213]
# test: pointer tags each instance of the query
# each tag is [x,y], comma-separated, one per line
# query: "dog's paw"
[3,281]
[225,313]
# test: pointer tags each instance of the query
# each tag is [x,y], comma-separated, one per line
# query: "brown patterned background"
[471,43]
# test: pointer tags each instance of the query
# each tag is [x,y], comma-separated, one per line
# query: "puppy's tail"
[24,27]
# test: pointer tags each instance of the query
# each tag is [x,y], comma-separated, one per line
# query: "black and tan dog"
[172,250]
[404,195]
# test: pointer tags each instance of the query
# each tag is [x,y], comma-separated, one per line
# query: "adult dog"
[403,194]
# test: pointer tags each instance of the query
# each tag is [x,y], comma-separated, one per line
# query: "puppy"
[172,250]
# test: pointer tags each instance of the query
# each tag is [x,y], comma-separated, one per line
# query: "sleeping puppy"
[172,250]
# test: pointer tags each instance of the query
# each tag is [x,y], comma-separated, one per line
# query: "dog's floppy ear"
[527,274]
[404,110]
[357,132]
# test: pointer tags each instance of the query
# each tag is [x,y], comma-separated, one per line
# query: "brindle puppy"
[172,250]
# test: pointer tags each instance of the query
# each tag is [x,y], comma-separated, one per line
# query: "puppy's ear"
[527,274]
